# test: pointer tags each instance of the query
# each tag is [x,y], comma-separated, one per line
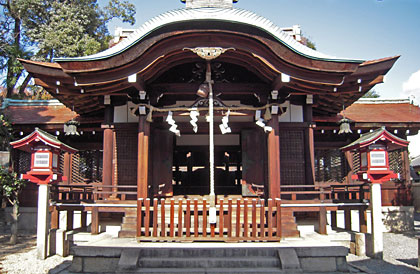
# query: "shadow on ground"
[412,262]
[61,268]
[25,242]
[383,267]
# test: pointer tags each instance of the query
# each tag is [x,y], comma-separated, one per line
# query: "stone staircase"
[201,260]
[209,261]
[129,223]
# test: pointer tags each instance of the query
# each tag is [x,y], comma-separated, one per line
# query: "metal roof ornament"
[209,53]
[192,4]
[344,125]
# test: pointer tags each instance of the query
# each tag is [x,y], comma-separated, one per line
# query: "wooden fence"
[190,220]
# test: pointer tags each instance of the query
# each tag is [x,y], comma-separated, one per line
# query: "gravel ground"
[21,258]
[400,256]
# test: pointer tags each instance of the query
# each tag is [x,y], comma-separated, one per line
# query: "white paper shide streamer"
[172,123]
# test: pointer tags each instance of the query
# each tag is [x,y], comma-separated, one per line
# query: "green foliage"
[5,132]
[10,185]
[73,28]
[371,94]
[45,29]
[310,44]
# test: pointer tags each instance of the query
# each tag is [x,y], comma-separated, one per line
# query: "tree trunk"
[12,77]
[24,84]
[14,227]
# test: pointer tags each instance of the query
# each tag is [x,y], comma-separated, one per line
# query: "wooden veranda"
[186,218]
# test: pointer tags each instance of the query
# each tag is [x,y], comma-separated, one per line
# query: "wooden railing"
[76,193]
[188,220]
[325,192]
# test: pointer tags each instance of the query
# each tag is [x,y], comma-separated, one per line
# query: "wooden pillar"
[309,147]
[322,229]
[67,167]
[362,220]
[274,159]
[107,157]
[347,219]
[333,219]
[83,218]
[55,218]
[322,226]
[108,149]
[95,221]
[143,157]
[349,157]
[70,217]
[406,166]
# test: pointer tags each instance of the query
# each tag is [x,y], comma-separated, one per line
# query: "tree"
[10,184]
[11,41]
[371,94]
[10,188]
[45,29]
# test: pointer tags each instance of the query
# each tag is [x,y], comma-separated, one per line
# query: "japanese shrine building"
[143,131]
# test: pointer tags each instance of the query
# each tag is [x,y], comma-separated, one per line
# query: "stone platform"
[114,255]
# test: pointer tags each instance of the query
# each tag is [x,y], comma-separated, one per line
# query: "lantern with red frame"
[45,152]
[373,148]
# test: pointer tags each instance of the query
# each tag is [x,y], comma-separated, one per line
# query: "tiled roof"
[378,111]
[394,142]
[416,162]
[37,112]
[392,111]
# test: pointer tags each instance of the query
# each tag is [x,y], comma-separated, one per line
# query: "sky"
[357,29]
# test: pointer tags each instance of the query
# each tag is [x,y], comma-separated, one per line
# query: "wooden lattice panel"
[61,163]
[396,161]
[292,157]
[292,146]
[330,165]
[24,162]
[356,162]
[126,152]
[86,167]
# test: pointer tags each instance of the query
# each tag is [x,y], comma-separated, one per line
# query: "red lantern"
[45,151]
[373,148]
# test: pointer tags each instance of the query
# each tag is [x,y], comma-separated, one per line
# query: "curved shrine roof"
[231,15]
[261,47]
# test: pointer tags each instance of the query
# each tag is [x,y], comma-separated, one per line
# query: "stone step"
[198,253]
[100,259]
[266,270]
[215,262]
[127,234]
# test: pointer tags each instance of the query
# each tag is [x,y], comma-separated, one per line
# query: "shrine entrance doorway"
[181,164]
[191,173]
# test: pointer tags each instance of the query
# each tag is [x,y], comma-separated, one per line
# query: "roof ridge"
[236,15]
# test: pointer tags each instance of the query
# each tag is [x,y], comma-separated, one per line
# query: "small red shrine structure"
[45,152]
[373,148]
